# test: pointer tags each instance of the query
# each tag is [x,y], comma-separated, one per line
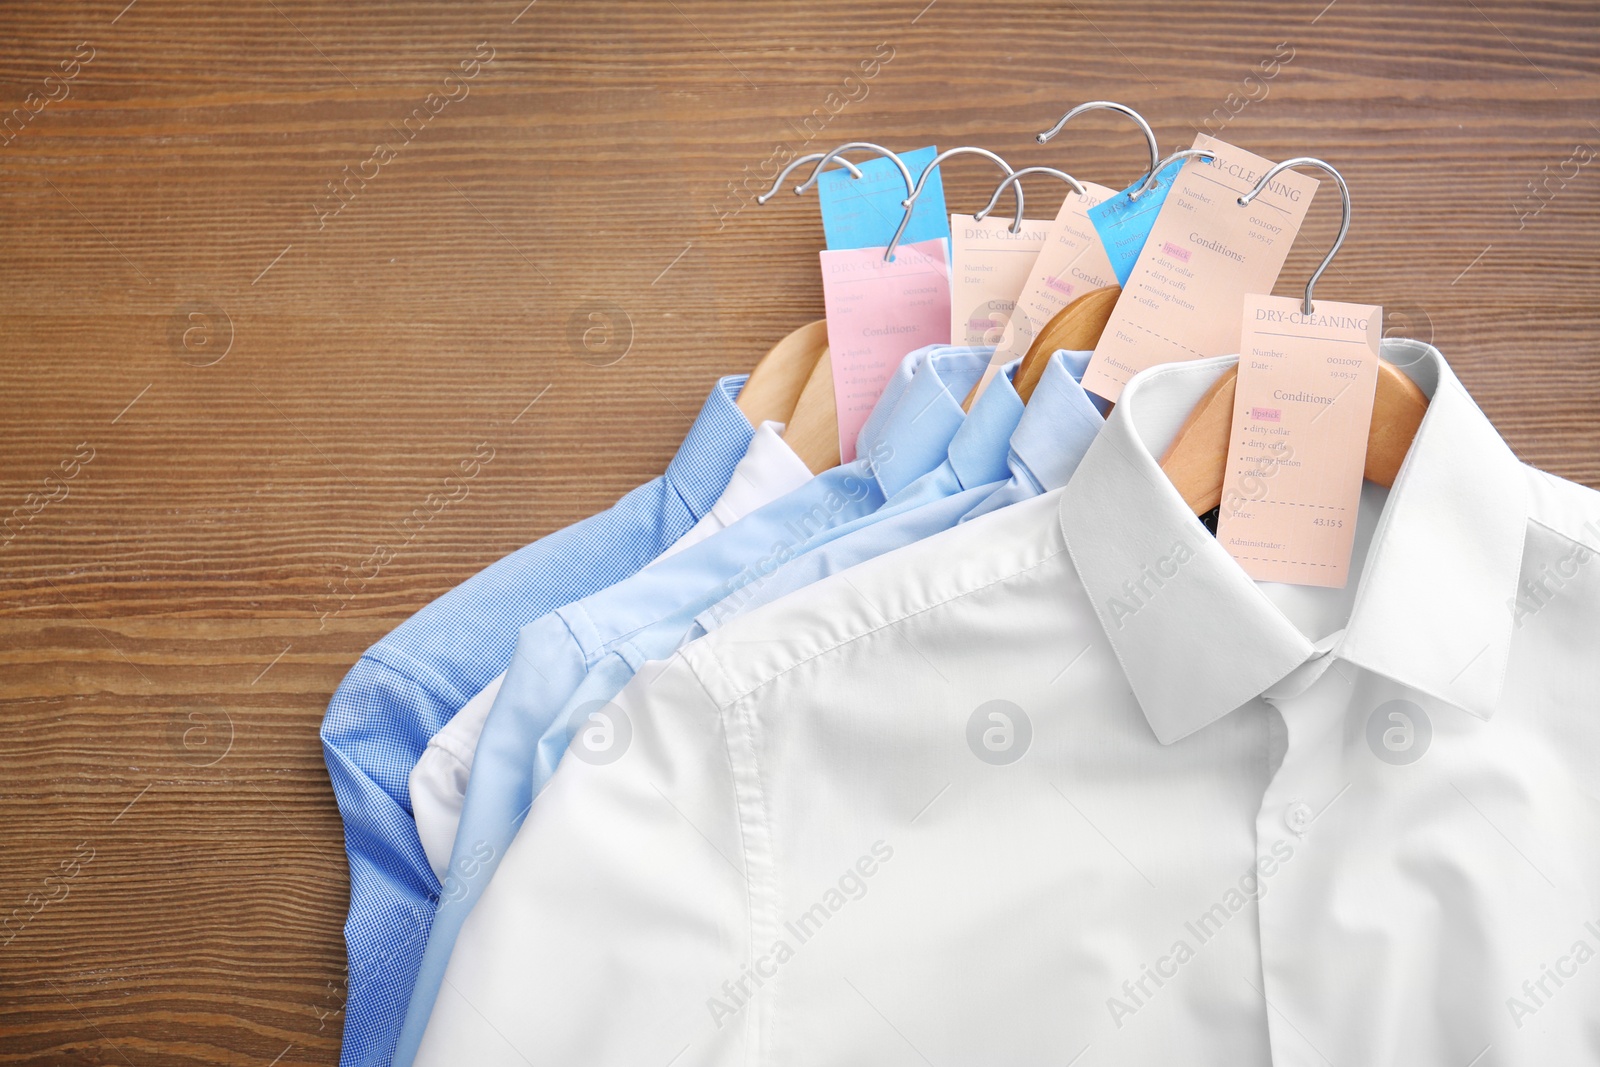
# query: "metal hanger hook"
[853,146]
[1205,155]
[777,183]
[910,202]
[1015,178]
[1108,105]
[1344,218]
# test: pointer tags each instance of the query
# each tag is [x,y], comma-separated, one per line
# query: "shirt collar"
[1059,424]
[1197,638]
[874,429]
[910,429]
[768,470]
[712,448]
[977,454]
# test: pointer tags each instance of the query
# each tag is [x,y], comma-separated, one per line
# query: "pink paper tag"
[1203,254]
[877,312]
[1299,438]
[988,264]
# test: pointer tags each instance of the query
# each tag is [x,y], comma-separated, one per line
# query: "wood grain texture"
[191,588]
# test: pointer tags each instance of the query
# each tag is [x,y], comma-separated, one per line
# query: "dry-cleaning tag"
[1071,262]
[878,312]
[1204,254]
[1124,223]
[988,265]
[864,212]
[1299,438]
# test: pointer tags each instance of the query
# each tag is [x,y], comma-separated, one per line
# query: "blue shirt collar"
[712,448]
[978,450]
[1058,424]
[910,430]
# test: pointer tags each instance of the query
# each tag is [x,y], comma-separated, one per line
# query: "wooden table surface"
[228,378]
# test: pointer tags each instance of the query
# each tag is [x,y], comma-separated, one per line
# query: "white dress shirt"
[1063,785]
[769,469]
[438,782]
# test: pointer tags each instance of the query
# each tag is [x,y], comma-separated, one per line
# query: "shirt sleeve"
[399,695]
[392,889]
[768,470]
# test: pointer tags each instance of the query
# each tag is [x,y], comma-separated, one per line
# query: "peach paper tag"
[1298,444]
[1071,262]
[878,311]
[1203,255]
[988,264]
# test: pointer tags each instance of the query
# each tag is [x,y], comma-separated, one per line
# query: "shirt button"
[1297,817]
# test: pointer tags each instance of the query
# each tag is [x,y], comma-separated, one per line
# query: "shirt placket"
[1312,703]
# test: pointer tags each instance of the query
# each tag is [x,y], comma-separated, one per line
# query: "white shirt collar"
[769,469]
[1197,638]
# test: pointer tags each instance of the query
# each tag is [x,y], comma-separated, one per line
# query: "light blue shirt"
[975,466]
[408,685]
[907,435]
[1061,422]
[1046,441]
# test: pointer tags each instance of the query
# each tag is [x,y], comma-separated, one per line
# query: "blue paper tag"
[863,212]
[1124,223]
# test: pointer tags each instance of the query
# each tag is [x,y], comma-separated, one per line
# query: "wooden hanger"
[813,430]
[777,381]
[1197,461]
[1076,327]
